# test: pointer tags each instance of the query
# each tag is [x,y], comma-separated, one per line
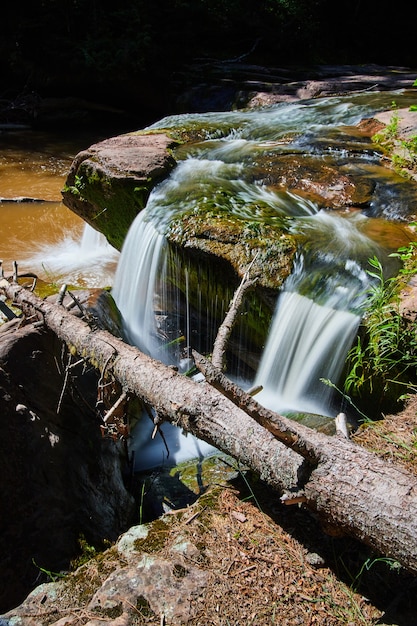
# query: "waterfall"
[89,261]
[139,292]
[135,282]
[307,342]
[317,316]
[319,309]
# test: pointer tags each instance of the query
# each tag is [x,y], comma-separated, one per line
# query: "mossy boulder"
[110,182]
[266,248]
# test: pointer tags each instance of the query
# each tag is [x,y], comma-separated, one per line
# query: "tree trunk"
[348,487]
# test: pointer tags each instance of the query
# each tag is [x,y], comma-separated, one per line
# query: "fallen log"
[346,486]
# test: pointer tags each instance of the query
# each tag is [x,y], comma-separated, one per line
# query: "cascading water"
[317,316]
[135,282]
[307,342]
[319,310]
[90,261]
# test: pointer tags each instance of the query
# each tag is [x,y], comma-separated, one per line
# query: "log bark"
[348,487]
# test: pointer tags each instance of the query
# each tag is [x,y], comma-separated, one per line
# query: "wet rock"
[110,182]
[325,81]
[316,180]
[268,249]
[220,86]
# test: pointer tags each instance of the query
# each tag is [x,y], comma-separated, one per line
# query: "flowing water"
[318,312]
[39,232]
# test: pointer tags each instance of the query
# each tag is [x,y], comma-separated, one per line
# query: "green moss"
[87,552]
[117,201]
[143,606]
[156,538]
[238,241]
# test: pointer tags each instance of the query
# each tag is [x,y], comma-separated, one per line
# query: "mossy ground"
[268,563]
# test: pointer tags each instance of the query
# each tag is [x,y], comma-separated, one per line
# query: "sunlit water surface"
[46,238]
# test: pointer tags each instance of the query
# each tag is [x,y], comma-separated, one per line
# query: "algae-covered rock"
[267,249]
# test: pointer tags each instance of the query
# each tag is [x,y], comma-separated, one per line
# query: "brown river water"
[46,237]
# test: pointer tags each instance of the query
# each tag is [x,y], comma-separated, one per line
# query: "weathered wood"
[226,327]
[8,313]
[196,407]
[348,487]
[290,433]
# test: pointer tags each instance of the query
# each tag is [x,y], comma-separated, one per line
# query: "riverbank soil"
[272,564]
[239,556]
[268,563]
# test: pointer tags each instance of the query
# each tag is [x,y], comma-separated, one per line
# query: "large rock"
[61,481]
[110,182]
[219,86]
[318,180]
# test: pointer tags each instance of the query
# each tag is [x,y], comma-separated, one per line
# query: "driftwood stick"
[61,294]
[76,302]
[341,426]
[225,329]
[109,417]
[64,386]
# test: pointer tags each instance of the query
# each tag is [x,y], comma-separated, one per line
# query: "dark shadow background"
[137,54]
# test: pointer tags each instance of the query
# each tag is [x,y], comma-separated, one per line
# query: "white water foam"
[89,261]
[140,266]
[306,342]
[135,281]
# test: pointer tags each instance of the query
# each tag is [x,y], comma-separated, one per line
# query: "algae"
[112,203]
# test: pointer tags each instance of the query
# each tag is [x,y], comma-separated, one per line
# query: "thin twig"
[109,415]
[77,302]
[61,294]
[64,386]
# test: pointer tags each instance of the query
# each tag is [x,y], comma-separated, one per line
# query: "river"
[324,291]
[42,235]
